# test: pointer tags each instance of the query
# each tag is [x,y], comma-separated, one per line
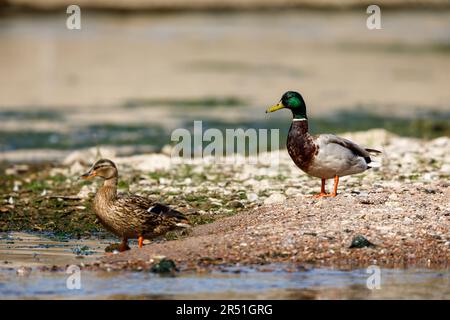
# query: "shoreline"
[304,231]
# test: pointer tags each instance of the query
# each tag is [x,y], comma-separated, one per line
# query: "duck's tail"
[372,152]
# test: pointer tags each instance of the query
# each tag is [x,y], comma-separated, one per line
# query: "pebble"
[17,185]
[292,191]
[360,241]
[23,271]
[235,204]
[407,220]
[275,198]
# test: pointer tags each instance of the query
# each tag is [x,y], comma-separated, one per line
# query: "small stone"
[275,198]
[393,197]
[23,271]
[17,185]
[252,197]
[292,191]
[407,220]
[360,242]
[164,181]
[235,204]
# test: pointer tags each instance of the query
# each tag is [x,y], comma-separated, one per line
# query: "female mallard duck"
[130,216]
[323,156]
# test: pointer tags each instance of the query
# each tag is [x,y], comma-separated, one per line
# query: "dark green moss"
[187,102]
[33,211]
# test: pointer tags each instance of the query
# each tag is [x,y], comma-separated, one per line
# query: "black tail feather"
[168,212]
[373,151]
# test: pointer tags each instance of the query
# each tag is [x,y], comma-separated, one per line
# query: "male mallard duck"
[323,156]
[130,216]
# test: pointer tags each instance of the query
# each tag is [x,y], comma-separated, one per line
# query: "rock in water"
[164,266]
[361,242]
[23,271]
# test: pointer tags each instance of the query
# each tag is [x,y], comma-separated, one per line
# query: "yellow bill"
[275,107]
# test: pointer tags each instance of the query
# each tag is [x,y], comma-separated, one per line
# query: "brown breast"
[300,145]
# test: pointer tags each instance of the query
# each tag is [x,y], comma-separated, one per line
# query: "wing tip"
[373,151]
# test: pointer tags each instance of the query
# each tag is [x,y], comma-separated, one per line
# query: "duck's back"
[147,218]
[133,216]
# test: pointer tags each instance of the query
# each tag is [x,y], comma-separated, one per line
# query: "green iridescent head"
[293,101]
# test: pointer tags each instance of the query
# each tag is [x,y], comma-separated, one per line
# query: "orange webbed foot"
[140,241]
[323,195]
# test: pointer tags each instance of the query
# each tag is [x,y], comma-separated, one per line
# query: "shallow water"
[34,250]
[40,249]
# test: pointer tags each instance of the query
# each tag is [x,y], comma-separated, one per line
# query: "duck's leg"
[322,190]
[336,182]
[124,245]
[140,241]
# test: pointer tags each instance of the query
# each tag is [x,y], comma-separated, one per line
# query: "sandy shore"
[402,208]
[408,226]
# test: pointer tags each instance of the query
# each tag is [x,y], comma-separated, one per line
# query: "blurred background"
[139,69]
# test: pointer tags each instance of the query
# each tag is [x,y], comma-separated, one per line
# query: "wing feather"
[355,148]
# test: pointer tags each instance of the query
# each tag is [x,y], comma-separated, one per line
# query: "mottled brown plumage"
[130,216]
[300,145]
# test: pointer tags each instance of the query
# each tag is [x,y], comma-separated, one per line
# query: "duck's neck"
[299,113]
[300,125]
[108,192]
